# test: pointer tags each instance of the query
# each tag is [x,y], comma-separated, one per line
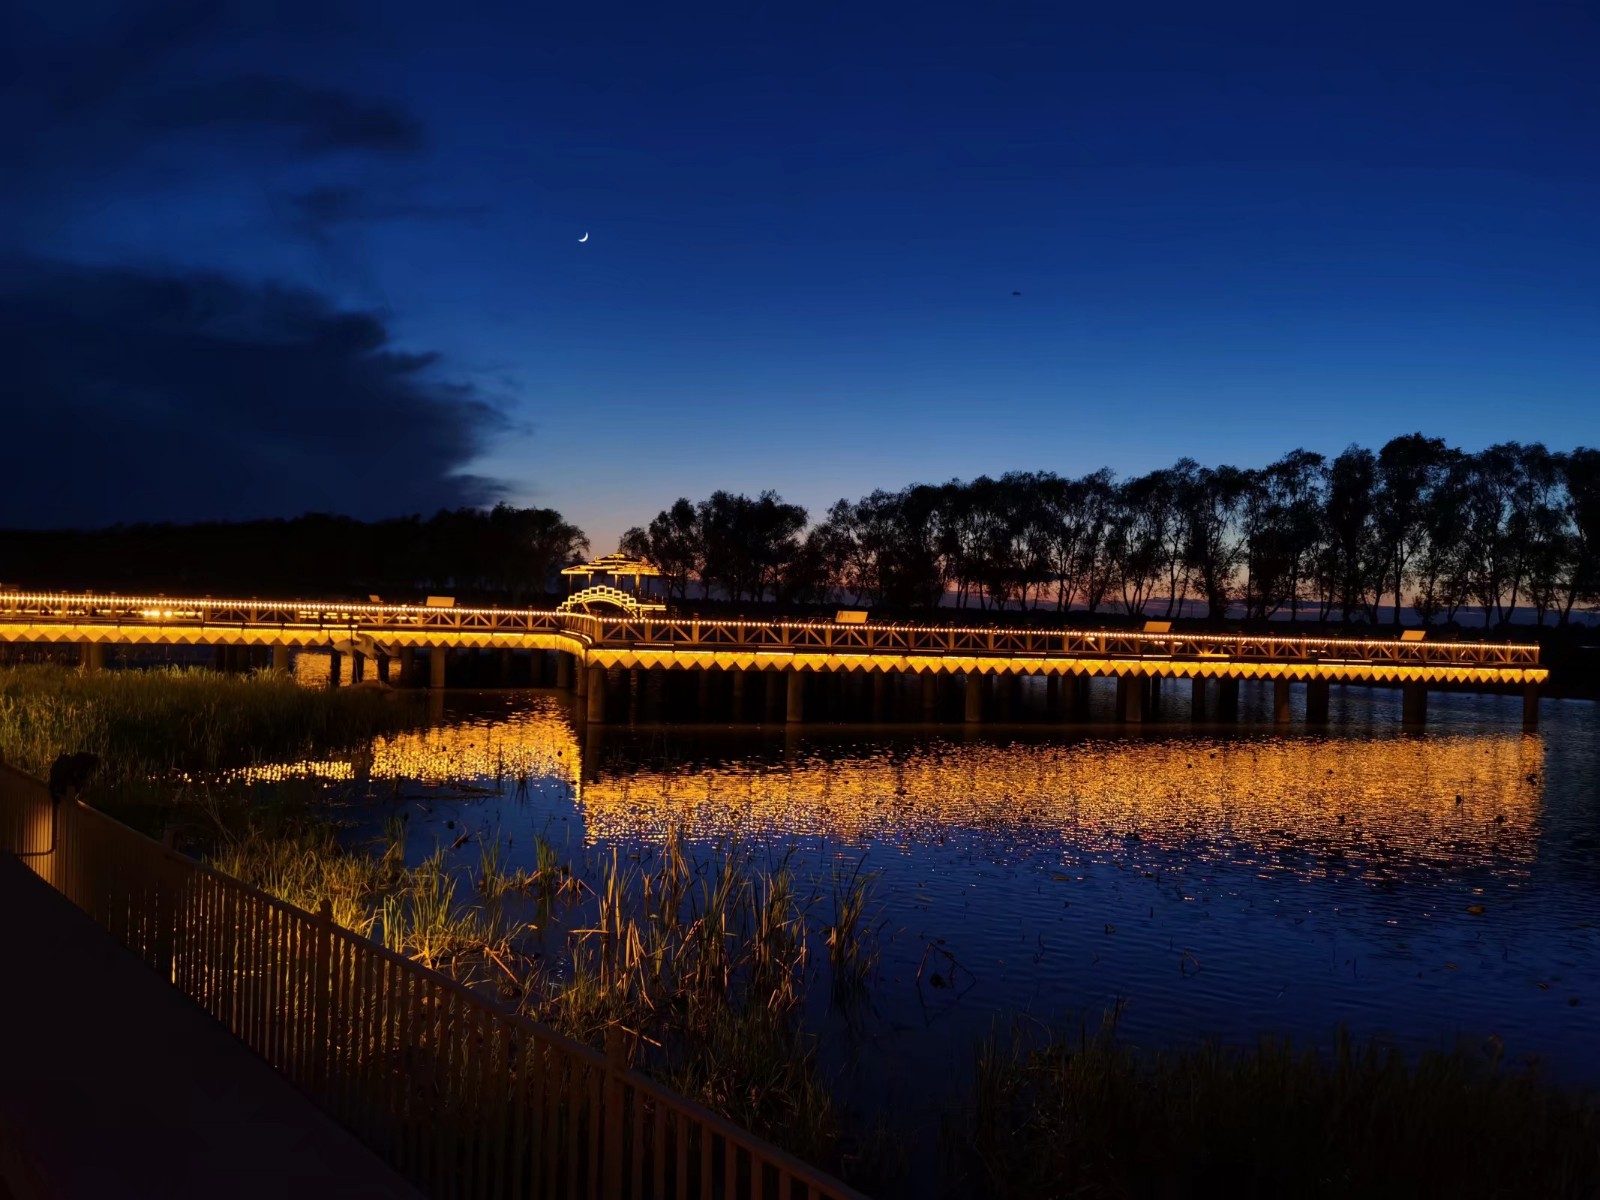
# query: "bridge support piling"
[335,668]
[880,696]
[635,694]
[1530,706]
[930,696]
[702,699]
[91,657]
[408,666]
[1130,698]
[740,684]
[1228,700]
[1052,696]
[580,687]
[795,702]
[1013,696]
[1153,708]
[1414,704]
[280,660]
[382,663]
[1197,698]
[595,695]
[1079,705]
[1317,693]
[505,667]
[654,685]
[1280,701]
[438,657]
[358,666]
[974,698]
[563,670]
[772,696]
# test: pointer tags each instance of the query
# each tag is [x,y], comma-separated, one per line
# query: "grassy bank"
[703,965]
[164,736]
[1088,1116]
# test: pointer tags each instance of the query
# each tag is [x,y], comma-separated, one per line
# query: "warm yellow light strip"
[176,604]
[292,636]
[421,625]
[165,604]
[1064,665]
[765,659]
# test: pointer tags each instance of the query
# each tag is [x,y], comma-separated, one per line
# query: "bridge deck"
[690,643]
[112,1083]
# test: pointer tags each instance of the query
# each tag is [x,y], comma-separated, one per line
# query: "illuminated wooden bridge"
[611,652]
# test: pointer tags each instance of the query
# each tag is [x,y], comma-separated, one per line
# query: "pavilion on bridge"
[616,583]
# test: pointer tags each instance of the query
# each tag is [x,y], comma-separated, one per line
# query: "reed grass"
[1090,1116]
[307,868]
[705,965]
[850,938]
[157,732]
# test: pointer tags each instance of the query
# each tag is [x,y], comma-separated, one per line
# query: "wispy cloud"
[319,120]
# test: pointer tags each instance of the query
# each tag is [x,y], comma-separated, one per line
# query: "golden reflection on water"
[1375,802]
[536,742]
[1391,799]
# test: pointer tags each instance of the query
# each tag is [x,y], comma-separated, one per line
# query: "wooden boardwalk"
[114,1084]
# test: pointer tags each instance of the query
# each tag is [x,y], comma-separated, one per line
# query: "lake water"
[1213,881]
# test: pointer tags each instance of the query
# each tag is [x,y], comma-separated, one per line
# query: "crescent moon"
[584,238]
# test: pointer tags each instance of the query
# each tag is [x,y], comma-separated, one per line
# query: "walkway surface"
[114,1084]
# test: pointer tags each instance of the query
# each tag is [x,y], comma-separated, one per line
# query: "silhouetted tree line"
[1456,536]
[504,553]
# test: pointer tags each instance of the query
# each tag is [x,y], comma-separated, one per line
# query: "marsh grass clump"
[704,965]
[415,911]
[1091,1116]
[157,731]
[306,867]
[850,937]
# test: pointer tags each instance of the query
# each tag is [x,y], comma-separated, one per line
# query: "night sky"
[261,259]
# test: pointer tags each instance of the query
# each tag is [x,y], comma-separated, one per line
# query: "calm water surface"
[1212,881]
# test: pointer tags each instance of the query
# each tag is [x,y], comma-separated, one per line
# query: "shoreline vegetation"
[707,966]
[1460,538]
[165,737]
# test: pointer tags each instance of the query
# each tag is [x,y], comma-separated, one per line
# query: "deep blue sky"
[258,260]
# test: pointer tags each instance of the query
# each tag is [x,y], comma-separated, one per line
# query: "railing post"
[321,1023]
[613,1166]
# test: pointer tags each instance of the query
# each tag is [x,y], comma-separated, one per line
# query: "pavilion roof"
[612,564]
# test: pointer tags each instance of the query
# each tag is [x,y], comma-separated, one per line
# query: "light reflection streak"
[537,742]
[1287,804]
[1367,804]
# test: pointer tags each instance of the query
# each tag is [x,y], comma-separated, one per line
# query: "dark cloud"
[83,77]
[320,119]
[325,207]
[135,396]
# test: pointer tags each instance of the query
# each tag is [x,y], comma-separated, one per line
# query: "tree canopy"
[1451,535]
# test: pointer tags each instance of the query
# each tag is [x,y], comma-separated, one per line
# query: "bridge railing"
[828,638]
[461,1097]
[333,616]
